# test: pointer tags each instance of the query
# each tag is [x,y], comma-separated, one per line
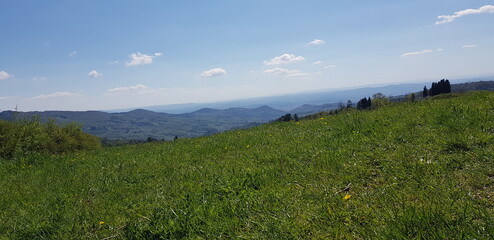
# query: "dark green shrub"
[26,137]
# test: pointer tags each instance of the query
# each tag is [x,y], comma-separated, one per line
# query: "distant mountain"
[472,86]
[260,114]
[307,109]
[141,124]
[291,101]
[288,102]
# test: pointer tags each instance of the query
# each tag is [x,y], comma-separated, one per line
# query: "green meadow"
[413,170]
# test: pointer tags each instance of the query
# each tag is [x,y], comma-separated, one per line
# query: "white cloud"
[94,74]
[55,95]
[213,72]
[4,75]
[113,62]
[138,87]
[284,59]
[450,18]
[276,71]
[316,42]
[439,50]
[72,54]
[287,72]
[469,46]
[138,58]
[317,62]
[408,54]
[330,66]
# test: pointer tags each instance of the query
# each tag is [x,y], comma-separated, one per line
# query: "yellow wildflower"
[322,118]
[101,223]
[346,197]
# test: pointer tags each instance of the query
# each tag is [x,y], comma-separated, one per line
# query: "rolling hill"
[141,124]
[288,102]
[413,170]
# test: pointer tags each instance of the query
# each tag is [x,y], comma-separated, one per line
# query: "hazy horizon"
[93,55]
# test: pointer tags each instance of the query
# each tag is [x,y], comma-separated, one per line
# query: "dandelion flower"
[101,223]
[322,118]
[346,197]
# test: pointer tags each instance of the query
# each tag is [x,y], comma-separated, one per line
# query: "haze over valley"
[129,55]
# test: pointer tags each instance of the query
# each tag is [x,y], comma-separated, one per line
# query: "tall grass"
[421,170]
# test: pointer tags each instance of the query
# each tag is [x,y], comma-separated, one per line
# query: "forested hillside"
[142,124]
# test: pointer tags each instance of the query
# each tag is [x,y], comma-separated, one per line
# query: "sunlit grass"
[419,170]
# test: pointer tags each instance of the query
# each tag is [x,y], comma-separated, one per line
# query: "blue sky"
[99,55]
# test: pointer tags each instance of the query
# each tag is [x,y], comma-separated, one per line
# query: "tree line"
[440,87]
[378,100]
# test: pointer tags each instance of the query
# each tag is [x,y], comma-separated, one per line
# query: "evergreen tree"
[361,104]
[364,103]
[286,118]
[447,86]
[440,87]
[349,104]
[425,92]
[433,90]
[295,117]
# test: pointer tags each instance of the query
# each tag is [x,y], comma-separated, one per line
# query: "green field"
[415,170]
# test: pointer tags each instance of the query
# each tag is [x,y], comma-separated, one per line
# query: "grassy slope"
[420,170]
